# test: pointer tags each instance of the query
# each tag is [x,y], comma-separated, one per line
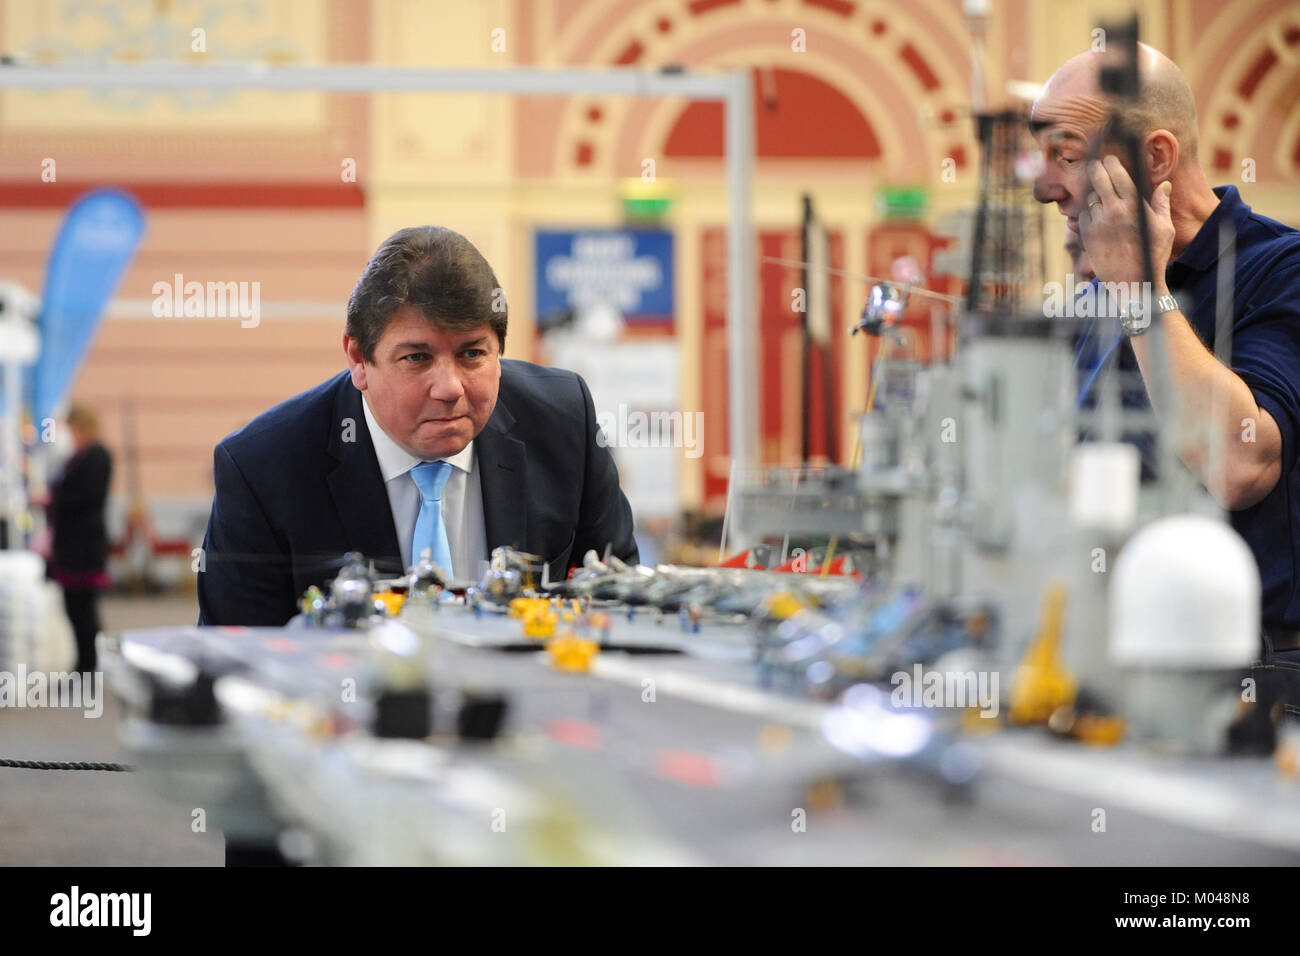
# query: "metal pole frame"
[734,90]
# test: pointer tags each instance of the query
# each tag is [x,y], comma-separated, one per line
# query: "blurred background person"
[79,550]
[1080,264]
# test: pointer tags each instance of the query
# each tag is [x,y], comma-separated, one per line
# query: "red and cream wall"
[247,187]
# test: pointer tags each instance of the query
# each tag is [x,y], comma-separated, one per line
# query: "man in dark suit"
[429,439]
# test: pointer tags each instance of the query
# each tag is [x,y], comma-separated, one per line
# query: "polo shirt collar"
[1203,251]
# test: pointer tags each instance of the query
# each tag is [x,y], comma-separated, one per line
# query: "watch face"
[1133,324]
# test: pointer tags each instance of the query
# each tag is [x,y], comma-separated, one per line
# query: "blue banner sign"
[630,270]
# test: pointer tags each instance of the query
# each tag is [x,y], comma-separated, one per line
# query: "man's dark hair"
[437,271]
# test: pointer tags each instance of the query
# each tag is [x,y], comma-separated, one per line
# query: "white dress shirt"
[462,500]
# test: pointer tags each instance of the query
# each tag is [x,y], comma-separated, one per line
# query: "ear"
[1160,149]
[356,363]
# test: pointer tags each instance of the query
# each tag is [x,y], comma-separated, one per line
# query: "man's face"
[1066,120]
[430,389]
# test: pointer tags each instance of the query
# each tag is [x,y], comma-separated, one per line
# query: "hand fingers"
[1155,215]
[1085,225]
[1160,199]
[1101,182]
[1119,178]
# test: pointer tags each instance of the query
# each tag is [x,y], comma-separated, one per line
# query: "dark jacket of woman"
[77,500]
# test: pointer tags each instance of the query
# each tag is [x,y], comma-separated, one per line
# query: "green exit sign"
[646,198]
[638,207]
[902,202]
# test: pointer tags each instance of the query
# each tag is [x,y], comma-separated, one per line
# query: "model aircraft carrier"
[445,733]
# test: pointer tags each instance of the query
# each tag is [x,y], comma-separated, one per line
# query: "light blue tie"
[430,531]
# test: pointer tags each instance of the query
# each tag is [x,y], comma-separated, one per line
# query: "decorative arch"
[1249,100]
[905,146]
[597,134]
[793,130]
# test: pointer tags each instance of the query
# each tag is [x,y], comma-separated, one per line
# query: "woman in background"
[78,495]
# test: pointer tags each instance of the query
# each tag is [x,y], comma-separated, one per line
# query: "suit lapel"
[357,485]
[503,478]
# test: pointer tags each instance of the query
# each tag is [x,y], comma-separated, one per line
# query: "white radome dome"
[1185,593]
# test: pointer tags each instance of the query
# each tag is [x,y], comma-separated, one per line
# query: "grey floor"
[84,818]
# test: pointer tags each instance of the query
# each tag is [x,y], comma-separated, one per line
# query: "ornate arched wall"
[251,185]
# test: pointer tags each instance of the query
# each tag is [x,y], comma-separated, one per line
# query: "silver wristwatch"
[1134,320]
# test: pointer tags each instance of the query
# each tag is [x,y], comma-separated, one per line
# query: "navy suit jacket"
[300,485]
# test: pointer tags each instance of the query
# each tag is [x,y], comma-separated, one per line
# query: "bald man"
[1253,408]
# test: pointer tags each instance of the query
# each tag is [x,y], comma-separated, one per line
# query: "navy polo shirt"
[1265,354]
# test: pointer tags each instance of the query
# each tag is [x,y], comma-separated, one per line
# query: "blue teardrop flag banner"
[98,240]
